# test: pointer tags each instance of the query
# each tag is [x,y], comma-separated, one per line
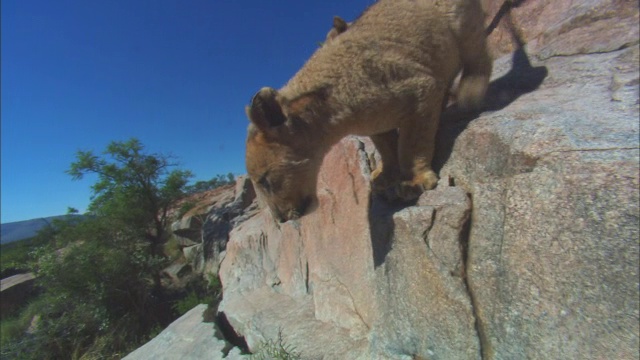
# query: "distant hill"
[21,230]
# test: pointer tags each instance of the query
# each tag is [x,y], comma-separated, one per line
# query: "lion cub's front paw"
[411,190]
[427,179]
[392,189]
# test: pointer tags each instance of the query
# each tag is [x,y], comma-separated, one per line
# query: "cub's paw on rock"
[394,190]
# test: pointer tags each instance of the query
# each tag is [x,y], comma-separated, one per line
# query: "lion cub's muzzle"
[305,206]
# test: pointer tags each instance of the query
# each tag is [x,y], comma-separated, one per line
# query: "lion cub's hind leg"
[387,174]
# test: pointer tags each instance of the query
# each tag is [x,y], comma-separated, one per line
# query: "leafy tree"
[215,182]
[98,294]
[134,188]
[99,273]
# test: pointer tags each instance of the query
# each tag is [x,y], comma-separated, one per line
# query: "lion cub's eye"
[264,182]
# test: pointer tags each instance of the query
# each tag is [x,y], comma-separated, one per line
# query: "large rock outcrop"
[553,248]
[203,232]
[189,337]
[563,27]
[15,291]
[528,247]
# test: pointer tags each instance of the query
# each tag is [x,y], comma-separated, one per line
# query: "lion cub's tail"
[473,87]
[476,72]
[476,62]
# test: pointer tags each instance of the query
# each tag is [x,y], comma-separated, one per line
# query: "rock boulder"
[563,27]
[189,337]
[528,247]
[553,248]
[15,291]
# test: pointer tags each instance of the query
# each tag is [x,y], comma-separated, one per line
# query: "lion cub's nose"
[296,213]
[279,217]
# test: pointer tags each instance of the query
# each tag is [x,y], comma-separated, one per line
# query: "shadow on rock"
[523,78]
[382,226]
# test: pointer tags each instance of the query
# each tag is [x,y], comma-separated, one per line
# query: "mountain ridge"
[24,229]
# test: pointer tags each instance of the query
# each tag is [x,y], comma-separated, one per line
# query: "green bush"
[15,257]
[13,328]
[187,303]
[173,250]
[215,182]
[185,208]
[276,349]
[99,296]
[198,292]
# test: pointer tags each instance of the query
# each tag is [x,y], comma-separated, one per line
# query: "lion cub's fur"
[385,77]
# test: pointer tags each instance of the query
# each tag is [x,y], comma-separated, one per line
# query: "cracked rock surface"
[189,337]
[553,246]
[358,278]
[312,278]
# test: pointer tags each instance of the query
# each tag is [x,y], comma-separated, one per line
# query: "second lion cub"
[386,77]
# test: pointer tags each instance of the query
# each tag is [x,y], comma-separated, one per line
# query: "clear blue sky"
[176,74]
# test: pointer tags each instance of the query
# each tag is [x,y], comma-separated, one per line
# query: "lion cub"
[386,77]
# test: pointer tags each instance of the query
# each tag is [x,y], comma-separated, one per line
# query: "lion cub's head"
[283,156]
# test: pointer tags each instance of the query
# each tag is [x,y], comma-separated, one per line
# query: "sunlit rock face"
[527,248]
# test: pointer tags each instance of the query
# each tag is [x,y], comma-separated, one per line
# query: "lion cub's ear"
[339,26]
[265,112]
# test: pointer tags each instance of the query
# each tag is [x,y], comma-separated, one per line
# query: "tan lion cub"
[386,77]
